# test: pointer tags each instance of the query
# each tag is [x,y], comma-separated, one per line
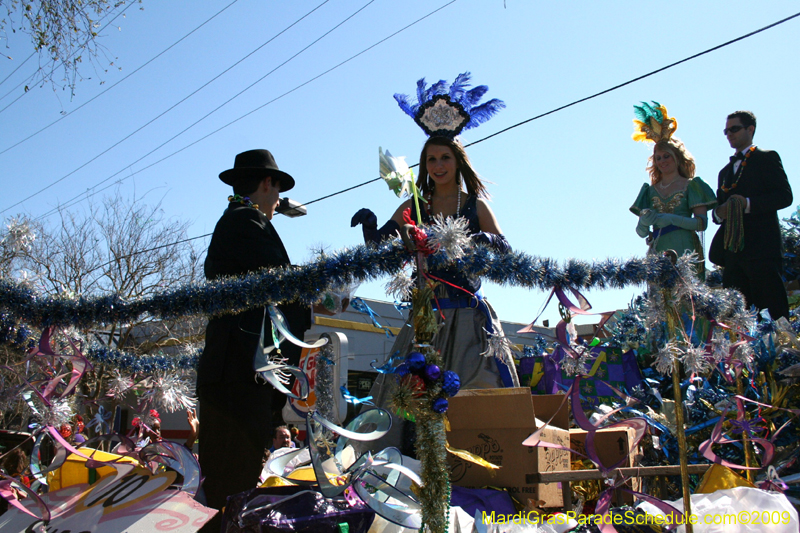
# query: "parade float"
[679,411]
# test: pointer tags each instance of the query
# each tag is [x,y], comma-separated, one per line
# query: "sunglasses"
[732,129]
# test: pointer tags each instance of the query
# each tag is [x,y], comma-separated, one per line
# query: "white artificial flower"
[119,385]
[395,172]
[721,346]
[171,392]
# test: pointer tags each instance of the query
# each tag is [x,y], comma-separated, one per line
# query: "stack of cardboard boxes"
[493,424]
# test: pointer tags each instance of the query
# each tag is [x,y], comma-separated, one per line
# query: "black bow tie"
[739,156]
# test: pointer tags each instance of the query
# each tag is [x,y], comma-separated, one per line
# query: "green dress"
[683,241]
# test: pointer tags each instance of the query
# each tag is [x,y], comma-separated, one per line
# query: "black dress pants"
[759,280]
[235,430]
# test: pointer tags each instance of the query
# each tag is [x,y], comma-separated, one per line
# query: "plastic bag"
[741,509]
[293,509]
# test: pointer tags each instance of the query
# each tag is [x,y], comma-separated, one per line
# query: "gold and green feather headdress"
[652,123]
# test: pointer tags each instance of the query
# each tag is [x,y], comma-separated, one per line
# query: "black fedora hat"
[255,163]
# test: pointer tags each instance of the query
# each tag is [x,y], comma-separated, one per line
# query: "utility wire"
[65,115]
[119,258]
[299,86]
[704,52]
[86,195]
[595,95]
[54,63]
[484,138]
[16,69]
[161,115]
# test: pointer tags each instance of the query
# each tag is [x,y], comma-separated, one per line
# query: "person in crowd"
[296,442]
[282,438]
[751,188]
[194,428]
[15,465]
[235,409]
[147,429]
[673,207]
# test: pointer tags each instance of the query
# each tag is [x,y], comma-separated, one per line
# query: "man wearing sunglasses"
[751,189]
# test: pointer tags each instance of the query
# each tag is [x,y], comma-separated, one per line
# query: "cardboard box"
[492,424]
[611,446]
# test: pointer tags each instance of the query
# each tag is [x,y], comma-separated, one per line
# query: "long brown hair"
[683,159]
[471,179]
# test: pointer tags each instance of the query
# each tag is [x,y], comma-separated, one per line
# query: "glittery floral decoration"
[400,286]
[665,358]
[695,360]
[448,235]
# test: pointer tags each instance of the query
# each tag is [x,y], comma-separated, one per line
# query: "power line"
[188,239]
[595,95]
[467,145]
[281,96]
[54,63]
[86,195]
[62,117]
[159,116]
[16,69]
[642,76]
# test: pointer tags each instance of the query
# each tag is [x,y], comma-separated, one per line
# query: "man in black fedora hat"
[235,410]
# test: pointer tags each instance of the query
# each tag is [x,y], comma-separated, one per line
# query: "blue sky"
[561,185]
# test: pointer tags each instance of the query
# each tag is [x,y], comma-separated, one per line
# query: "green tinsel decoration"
[414,401]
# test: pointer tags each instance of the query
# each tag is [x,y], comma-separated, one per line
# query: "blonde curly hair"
[683,158]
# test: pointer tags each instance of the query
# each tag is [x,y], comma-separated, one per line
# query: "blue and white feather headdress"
[445,110]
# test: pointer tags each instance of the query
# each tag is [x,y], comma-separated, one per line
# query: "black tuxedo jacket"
[764,182]
[244,240]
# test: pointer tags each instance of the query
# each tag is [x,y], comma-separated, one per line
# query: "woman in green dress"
[675,204]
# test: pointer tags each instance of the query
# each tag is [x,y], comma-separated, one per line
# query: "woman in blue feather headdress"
[464,338]
[676,202]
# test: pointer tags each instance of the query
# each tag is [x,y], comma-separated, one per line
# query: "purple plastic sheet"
[607,365]
[295,510]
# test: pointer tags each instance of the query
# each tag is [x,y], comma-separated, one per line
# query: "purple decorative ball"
[440,405]
[416,361]
[433,373]
[451,383]
[402,369]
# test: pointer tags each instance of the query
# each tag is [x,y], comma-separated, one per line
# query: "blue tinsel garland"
[308,282]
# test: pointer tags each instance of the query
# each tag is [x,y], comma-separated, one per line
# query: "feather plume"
[403,100]
[459,86]
[652,123]
[473,96]
[484,112]
[455,109]
[440,87]
[422,94]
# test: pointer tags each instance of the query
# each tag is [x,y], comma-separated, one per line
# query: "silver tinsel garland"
[324,383]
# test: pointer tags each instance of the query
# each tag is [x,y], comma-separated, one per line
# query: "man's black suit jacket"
[764,182]
[244,240]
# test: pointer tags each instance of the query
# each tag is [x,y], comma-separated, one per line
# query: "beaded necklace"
[739,172]
[238,199]
[458,203]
